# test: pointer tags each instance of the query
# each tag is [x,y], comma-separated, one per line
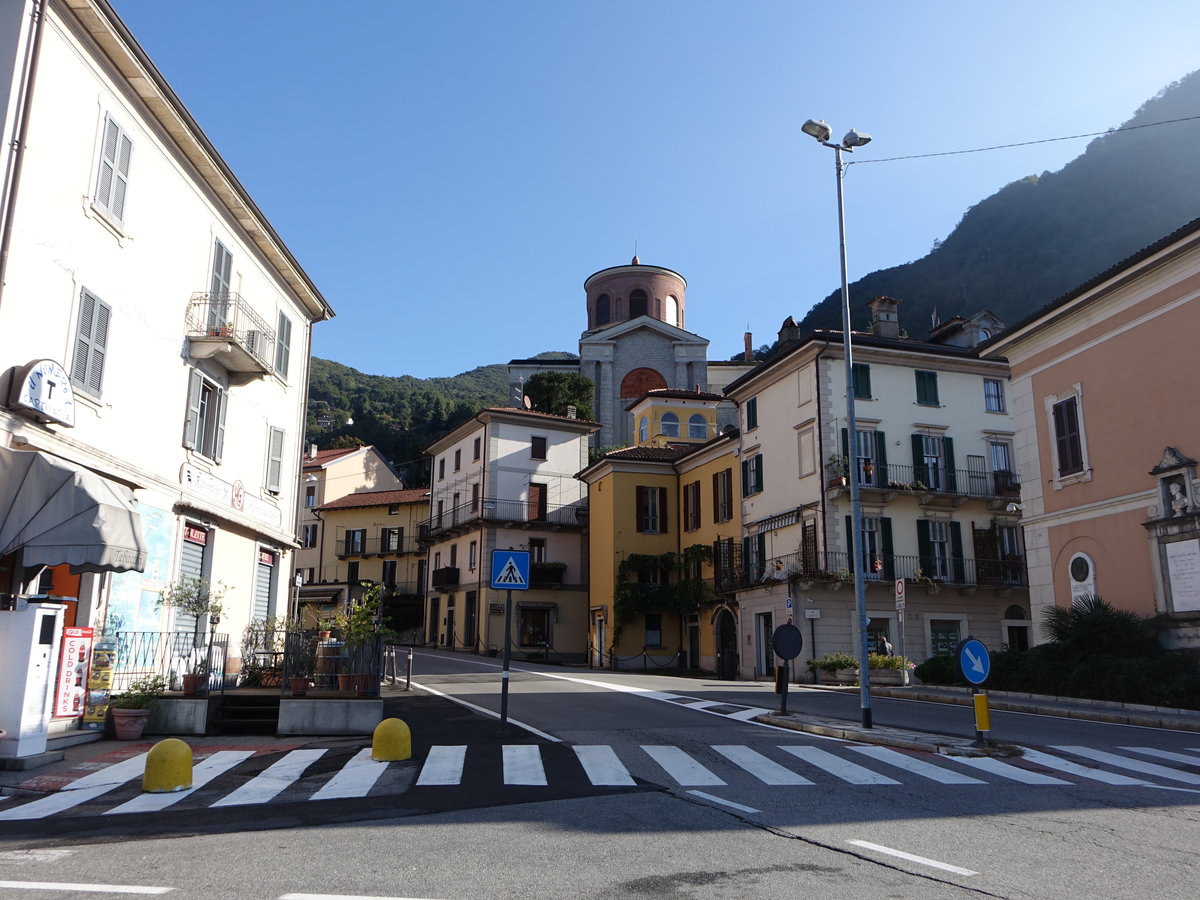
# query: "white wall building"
[173,318]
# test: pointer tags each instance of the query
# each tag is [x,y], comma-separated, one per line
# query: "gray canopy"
[56,512]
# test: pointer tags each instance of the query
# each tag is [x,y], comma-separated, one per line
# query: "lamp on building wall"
[817,129]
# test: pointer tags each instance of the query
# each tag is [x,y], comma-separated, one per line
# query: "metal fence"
[171,654]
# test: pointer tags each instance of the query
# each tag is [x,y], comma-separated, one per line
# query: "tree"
[553,392]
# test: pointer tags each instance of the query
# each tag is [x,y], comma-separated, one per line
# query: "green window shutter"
[846,449]
[662,511]
[758,473]
[851,544]
[716,497]
[862,381]
[920,471]
[881,477]
[751,413]
[956,551]
[948,461]
[927,392]
[924,548]
[639,511]
[747,488]
[885,545]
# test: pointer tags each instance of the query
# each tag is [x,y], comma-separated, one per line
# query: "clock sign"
[43,388]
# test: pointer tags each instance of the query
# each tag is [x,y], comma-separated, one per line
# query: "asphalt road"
[714,806]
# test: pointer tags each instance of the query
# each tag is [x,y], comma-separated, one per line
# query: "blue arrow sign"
[974,662]
[510,570]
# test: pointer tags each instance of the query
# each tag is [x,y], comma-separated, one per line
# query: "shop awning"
[56,512]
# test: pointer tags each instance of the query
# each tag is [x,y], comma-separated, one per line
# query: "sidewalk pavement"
[1063,707]
[420,710]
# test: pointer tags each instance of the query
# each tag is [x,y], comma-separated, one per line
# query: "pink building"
[1108,434]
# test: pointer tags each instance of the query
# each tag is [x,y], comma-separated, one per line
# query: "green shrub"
[938,670]
[881,661]
[141,694]
[831,662]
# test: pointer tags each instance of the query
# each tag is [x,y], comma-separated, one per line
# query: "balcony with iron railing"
[445,577]
[222,326]
[504,512]
[376,546]
[930,483]
[734,572]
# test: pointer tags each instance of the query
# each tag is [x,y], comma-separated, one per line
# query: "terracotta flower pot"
[192,684]
[299,685]
[129,723]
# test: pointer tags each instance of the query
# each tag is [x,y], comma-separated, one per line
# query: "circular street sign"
[787,641]
[974,663]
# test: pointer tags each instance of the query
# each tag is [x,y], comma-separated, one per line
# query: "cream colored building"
[154,329]
[933,455]
[1108,435]
[505,479]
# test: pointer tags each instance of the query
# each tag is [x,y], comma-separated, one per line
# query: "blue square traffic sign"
[510,570]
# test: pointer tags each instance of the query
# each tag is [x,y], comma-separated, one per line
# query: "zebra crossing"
[602,766]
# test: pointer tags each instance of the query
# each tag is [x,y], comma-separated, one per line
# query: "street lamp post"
[821,132]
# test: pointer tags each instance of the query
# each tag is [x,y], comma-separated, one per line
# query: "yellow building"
[368,538]
[660,515]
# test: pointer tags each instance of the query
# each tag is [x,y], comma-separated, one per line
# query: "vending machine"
[29,646]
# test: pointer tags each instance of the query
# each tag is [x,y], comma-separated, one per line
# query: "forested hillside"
[1038,238]
[399,415]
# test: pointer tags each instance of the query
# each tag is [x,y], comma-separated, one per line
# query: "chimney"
[885,317]
[789,331]
[312,451]
[749,354]
[572,412]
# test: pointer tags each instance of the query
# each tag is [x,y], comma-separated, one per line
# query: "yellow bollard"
[168,767]
[392,740]
[983,719]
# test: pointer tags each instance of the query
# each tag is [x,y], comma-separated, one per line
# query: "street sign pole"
[900,629]
[507,660]
[787,642]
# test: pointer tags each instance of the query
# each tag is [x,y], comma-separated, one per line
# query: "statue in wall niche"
[1178,499]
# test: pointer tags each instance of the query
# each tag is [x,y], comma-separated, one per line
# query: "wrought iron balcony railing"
[505,511]
[223,326]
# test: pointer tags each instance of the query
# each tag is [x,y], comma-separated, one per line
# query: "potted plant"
[359,628]
[838,466]
[195,679]
[132,706]
[194,597]
[886,669]
[549,574]
[301,663]
[835,668]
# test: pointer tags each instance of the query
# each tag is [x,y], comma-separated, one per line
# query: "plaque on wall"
[1183,570]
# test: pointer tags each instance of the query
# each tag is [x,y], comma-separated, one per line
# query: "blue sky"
[448,173]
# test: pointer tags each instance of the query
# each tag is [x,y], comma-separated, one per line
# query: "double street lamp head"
[818,129]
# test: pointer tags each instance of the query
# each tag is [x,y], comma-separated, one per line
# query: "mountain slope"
[1041,236]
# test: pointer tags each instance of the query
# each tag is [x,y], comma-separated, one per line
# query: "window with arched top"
[603,309]
[638,303]
[697,426]
[643,429]
[671,311]
[669,424]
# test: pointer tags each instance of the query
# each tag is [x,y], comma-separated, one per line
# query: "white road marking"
[523,764]
[841,768]
[916,766]
[1165,754]
[488,712]
[1062,765]
[1004,770]
[444,765]
[602,766]
[738,806]
[202,773]
[685,770]
[84,887]
[1134,765]
[765,770]
[273,780]
[341,897]
[925,861]
[81,790]
[354,779]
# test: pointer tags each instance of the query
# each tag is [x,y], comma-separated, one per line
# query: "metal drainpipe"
[10,207]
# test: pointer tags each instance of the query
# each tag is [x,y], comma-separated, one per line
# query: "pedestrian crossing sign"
[510,570]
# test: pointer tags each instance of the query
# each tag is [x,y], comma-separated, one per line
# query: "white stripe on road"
[1062,765]
[841,768]
[1165,754]
[354,779]
[273,780]
[1004,770]
[1134,765]
[745,809]
[685,770]
[444,765]
[523,764]
[916,766]
[765,770]
[81,790]
[602,766]
[204,772]
[925,861]
[83,887]
[487,712]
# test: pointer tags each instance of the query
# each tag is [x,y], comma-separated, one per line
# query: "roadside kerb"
[890,737]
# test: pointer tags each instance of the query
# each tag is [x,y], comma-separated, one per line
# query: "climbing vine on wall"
[663,582]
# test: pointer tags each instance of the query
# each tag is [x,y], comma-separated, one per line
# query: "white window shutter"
[274,460]
[222,399]
[192,426]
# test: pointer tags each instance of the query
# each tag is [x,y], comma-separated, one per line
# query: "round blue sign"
[974,663]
